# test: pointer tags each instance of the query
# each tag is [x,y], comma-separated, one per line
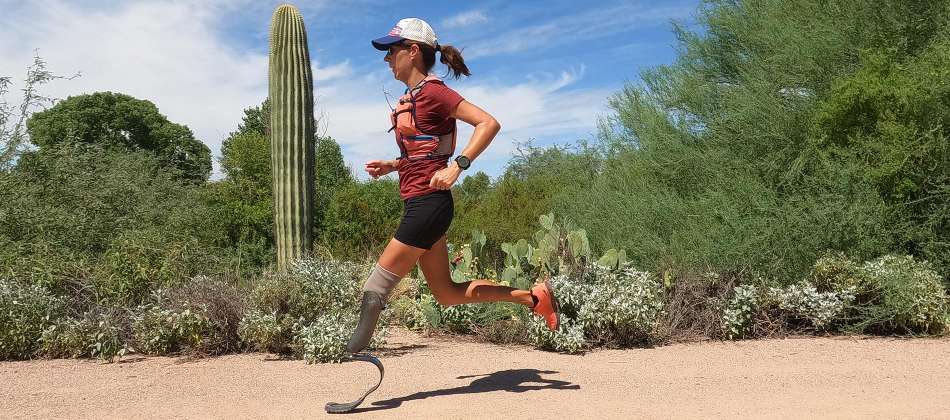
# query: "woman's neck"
[414,79]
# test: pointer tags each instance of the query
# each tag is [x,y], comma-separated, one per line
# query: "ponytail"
[452,58]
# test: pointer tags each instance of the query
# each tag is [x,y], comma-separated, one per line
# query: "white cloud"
[594,23]
[335,71]
[465,19]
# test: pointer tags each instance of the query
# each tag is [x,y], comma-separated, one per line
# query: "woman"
[424,124]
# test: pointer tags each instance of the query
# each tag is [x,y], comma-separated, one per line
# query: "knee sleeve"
[375,293]
[382,282]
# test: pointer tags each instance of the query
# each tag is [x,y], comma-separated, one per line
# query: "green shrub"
[266,331]
[568,338]
[99,333]
[621,306]
[326,286]
[221,302]
[740,312]
[25,312]
[108,332]
[466,318]
[361,218]
[420,313]
[138,262]
[67,338]
[625,306]
[312,309]
[324,339]
[159,331]
[888,295]
[894,294]
[802,301]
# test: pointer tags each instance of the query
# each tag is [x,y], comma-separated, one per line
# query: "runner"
[424,123]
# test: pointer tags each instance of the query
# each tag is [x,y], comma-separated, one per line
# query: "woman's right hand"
[378,168]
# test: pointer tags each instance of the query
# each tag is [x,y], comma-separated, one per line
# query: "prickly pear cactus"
[290,92]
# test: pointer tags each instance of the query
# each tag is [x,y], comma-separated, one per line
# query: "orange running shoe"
[547,306]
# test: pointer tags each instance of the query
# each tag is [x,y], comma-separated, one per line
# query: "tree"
[13,118]
[772,138]
[246,193]
[121,122]
[332,176]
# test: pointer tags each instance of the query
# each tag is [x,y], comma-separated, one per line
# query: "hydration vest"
[414,144]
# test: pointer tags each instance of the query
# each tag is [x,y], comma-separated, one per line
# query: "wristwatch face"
[463,162]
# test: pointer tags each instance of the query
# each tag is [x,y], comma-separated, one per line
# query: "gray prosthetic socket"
[375,293]
[381,281]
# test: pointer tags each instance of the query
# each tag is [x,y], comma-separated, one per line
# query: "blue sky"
[545,69]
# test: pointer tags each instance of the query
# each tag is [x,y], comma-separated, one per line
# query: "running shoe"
[547,306]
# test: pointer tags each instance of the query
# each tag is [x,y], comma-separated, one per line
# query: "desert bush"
[893,294]
[624,306]
[465,319]
[739,315]
[887,295]
[311,309]
[693,304]
[218,300]
[619,306]
[109,336]
[159,331]
[568,338]
[25,312]
[324,339]
[66,338]
[99,333]
[138,262]
[802,301]
[513,330]
[266,331]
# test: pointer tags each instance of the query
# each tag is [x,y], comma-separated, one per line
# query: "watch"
[463,162]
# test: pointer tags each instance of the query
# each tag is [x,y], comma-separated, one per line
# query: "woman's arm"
[486,127]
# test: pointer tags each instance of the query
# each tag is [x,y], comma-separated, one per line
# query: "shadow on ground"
[512,380]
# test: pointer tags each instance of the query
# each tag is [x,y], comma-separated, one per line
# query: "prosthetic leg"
[379,285]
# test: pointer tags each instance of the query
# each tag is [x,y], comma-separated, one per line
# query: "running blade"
[337,408]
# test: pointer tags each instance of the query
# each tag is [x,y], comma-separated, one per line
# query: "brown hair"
[451,57]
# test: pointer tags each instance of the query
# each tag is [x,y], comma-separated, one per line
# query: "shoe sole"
[554,302]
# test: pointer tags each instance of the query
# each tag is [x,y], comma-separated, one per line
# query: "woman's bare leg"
[399,258]
[435,266]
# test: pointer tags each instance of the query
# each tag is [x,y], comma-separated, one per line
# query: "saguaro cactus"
[291,134]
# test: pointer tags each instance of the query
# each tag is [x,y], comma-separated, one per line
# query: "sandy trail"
[433,377]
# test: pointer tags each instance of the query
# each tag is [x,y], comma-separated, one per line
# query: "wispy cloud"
[334,71]
[592,24]
[465,19]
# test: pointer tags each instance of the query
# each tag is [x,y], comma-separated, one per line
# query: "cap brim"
[383,43]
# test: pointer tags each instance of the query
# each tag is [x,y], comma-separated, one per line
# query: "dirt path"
[445,378]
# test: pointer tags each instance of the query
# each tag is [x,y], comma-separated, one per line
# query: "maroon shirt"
[435,102]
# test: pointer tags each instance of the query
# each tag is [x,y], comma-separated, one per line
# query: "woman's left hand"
[443,179]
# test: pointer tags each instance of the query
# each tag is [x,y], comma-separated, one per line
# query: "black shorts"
[425,219]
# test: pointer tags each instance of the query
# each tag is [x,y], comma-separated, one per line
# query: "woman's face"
[400,59]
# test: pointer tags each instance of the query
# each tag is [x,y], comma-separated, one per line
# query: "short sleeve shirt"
[435,103]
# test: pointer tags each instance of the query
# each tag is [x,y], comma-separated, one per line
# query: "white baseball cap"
[414,29]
